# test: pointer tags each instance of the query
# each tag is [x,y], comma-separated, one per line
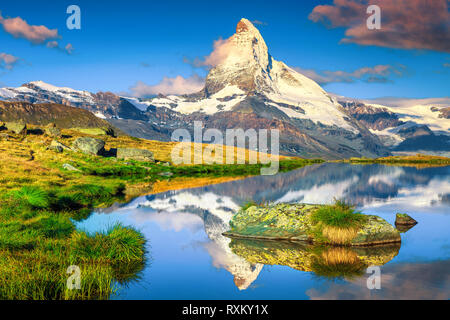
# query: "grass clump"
[338,223]
[339,215]
[33,196]
[117,244]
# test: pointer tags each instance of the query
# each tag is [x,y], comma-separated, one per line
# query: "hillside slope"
[42,114]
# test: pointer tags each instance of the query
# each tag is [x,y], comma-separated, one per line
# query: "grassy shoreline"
[40,199]
[395,160]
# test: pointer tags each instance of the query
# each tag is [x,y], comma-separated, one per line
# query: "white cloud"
[178,85]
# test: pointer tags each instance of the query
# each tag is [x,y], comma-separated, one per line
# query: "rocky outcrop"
[89,145]
[52,131]
[444,113]
[135,154]
[103,104]
[64,117]
[371,117]
[16,127]
[292,222]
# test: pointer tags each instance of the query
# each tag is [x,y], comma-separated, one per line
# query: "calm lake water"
[189,258]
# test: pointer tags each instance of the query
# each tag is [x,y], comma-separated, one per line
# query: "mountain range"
[248,88]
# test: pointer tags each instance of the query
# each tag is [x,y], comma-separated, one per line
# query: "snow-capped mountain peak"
[103,104]
[49,87]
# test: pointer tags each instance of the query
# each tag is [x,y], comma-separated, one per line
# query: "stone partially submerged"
[404,222]
[293,222]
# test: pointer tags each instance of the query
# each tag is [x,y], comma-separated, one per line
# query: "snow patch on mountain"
[224,100]
[422,114]
[41,92]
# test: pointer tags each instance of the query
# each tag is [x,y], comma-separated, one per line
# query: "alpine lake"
[188,257]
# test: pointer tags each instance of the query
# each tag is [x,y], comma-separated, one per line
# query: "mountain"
[102,104]
[43,114]
[405,124]
[248,88]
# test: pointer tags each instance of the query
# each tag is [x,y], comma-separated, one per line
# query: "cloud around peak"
[221,50]
[177,85]
[405,24]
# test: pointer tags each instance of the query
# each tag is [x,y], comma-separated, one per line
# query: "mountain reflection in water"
[179,223]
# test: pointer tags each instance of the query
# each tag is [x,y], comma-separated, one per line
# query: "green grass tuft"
[33,196]
[340,215]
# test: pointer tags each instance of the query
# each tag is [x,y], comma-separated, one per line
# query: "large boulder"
[135,154]
[16,127]
[292,222]
[89,145]
[52,131]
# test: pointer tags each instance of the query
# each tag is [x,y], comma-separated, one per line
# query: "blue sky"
[123,42]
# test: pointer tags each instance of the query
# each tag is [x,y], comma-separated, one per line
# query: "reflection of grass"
[338,271]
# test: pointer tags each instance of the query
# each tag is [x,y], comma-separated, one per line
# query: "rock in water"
[89,145]
[16,127]
[403,219]
[52,131]
[135,154]
[292,222]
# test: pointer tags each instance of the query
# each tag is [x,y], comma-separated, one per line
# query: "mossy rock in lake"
[326,261]
[404,219]
[294,222]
